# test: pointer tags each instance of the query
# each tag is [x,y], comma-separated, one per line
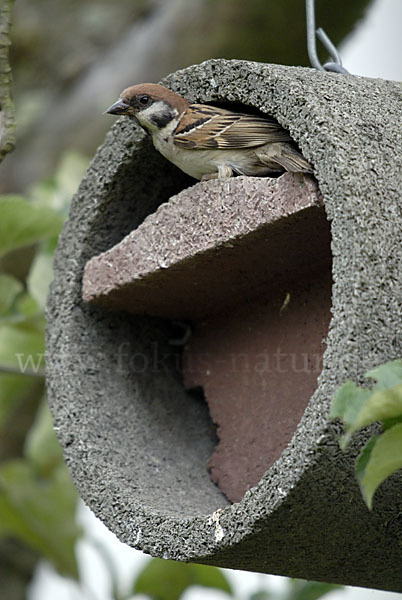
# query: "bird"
[209,142]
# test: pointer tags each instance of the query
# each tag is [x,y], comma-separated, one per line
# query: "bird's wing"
[205,126]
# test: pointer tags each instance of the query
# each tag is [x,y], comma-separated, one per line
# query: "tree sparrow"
[206,141]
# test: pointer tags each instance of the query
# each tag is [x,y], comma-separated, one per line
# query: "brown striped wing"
[203,127]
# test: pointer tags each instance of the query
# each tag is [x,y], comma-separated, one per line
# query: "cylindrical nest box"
[290,285]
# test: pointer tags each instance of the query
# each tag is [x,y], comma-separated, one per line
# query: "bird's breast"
[195,163]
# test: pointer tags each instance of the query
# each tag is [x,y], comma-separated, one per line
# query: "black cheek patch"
[163,118]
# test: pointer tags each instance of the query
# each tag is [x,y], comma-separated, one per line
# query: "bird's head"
[153,105]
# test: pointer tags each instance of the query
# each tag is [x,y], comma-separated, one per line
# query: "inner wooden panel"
[258,365]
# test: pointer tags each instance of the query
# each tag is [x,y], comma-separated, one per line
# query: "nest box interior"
[244,266]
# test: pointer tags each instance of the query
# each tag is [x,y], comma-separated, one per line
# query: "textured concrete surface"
[137,444]
[212,245]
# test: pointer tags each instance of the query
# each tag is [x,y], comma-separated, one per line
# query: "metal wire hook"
[312,33]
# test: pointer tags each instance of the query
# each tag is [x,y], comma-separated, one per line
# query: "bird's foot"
[224,172]
[209,176]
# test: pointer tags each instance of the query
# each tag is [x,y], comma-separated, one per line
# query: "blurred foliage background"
[70,60]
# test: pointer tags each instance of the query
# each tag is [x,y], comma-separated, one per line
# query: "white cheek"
[146,114]
[150,115]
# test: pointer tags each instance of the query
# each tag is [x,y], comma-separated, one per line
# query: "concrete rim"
[328,115]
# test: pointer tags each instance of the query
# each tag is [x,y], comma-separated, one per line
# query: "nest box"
[217,448]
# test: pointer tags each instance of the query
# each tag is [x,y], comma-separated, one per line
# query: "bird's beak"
[120,108]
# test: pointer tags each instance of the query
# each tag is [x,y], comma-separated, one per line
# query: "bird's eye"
[144,99]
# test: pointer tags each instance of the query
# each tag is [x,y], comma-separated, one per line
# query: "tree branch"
[14,370]
[7,121]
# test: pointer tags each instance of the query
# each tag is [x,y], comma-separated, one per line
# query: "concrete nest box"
[219,450]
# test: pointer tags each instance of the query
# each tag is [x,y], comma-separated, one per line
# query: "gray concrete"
[137,445]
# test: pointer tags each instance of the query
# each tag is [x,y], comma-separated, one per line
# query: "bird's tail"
[286,156]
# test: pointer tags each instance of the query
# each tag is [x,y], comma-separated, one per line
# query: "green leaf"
[167,580]
[381,457]
[387,423]
[359,407]
[14,390]
[40,276]
[387,375]
[23,222]
[211,577]
[40,512]
[56,191]
[364,457]
[347,405]
[381,404]
[22,344]
[42,448]
[9,290]
[263,595]
[348,402]
[27,306]
[310,590]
